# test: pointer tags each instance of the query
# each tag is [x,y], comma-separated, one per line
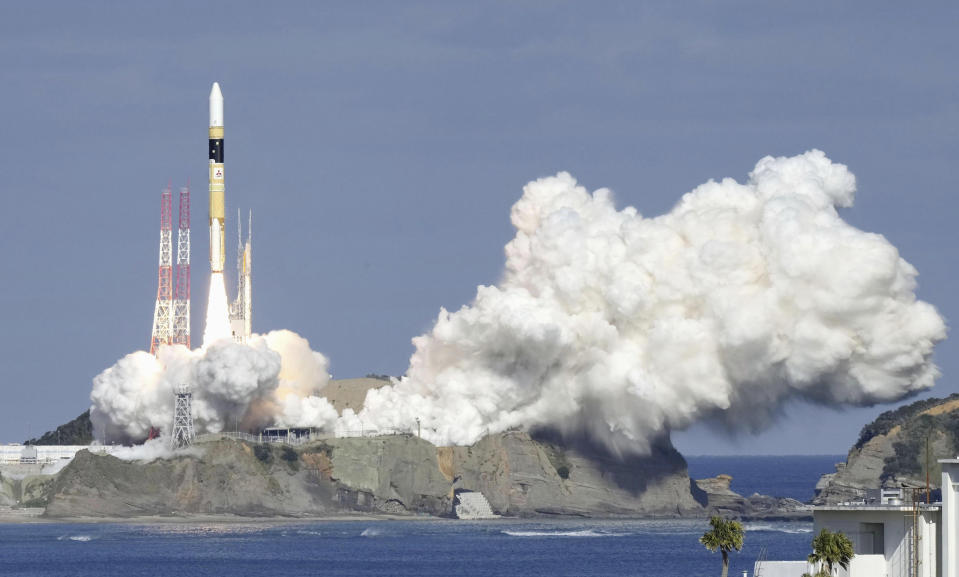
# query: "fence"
[293,440]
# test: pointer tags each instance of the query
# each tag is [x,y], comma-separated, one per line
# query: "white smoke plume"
[623,327]
[273,379]
[153,449]
[743,297]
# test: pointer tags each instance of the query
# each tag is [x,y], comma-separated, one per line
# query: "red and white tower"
[163,313]
[181,299]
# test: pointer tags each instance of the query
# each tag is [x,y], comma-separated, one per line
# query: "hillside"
[79,431]
[892,451]
[521,474]
[398,475]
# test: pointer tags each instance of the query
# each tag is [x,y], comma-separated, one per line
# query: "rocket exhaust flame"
[217,312]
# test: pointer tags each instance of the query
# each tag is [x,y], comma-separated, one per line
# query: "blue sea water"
[664,548]
[792,476]
[420,547]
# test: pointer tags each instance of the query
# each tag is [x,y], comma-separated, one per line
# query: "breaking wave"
[582,533]
[791,528]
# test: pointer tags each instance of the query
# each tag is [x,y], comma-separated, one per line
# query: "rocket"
[217,189]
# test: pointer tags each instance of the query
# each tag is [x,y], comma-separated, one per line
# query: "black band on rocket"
[216,150]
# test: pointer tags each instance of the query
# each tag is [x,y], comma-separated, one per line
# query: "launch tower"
[171,315]
[241,309]
[163,312]
[183,432]
[181,302]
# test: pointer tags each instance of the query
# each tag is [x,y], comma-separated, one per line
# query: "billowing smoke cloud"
[273,379]
[605,322]
[741,298]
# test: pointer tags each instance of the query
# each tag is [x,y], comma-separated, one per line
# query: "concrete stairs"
[473,505]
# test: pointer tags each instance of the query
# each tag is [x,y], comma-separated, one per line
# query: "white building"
[891,538]
[15,453]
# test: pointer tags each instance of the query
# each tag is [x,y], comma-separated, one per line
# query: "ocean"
[792,476]
[420,547]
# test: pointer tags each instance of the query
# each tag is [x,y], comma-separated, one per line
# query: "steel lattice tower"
[181,303]
[241,310]
[163,313]
[183,433]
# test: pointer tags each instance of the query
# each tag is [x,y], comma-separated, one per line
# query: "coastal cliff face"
[389,474]
[892,451]
[228,478]
[523,476]
[519,475]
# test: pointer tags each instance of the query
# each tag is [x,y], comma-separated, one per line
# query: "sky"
[380,146]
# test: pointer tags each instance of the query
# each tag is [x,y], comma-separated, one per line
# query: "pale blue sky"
[381,145]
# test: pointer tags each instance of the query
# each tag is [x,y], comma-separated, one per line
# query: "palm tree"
[831,549]
[725,535]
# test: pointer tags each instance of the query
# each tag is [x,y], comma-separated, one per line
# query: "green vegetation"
[830,550]
[264,453]
[291,457]
[896,417]
[909,459]
[725,535]
[916,428]
[79,431]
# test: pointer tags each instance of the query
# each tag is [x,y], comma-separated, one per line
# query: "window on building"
[872,537]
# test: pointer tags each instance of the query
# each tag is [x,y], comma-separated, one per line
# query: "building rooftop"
[906,508]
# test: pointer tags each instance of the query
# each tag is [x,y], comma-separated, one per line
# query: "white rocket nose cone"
[216,105]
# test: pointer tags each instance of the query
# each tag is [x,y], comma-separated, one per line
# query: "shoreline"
[35,517]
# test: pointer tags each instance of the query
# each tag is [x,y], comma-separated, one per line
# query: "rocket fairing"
[217,188]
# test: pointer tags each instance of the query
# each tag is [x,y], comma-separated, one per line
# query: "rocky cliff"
[723,501]
[524,476]
[401,474]
[388,474]
[894,451]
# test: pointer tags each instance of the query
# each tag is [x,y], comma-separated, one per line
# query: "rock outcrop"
[523,476]
[895,450]
[723,501]
[398,474]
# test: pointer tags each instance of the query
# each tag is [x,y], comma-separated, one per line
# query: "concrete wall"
[867,566]
[897,523]
[950,517]
[781,568]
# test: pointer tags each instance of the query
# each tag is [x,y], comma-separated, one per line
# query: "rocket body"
[217,188]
